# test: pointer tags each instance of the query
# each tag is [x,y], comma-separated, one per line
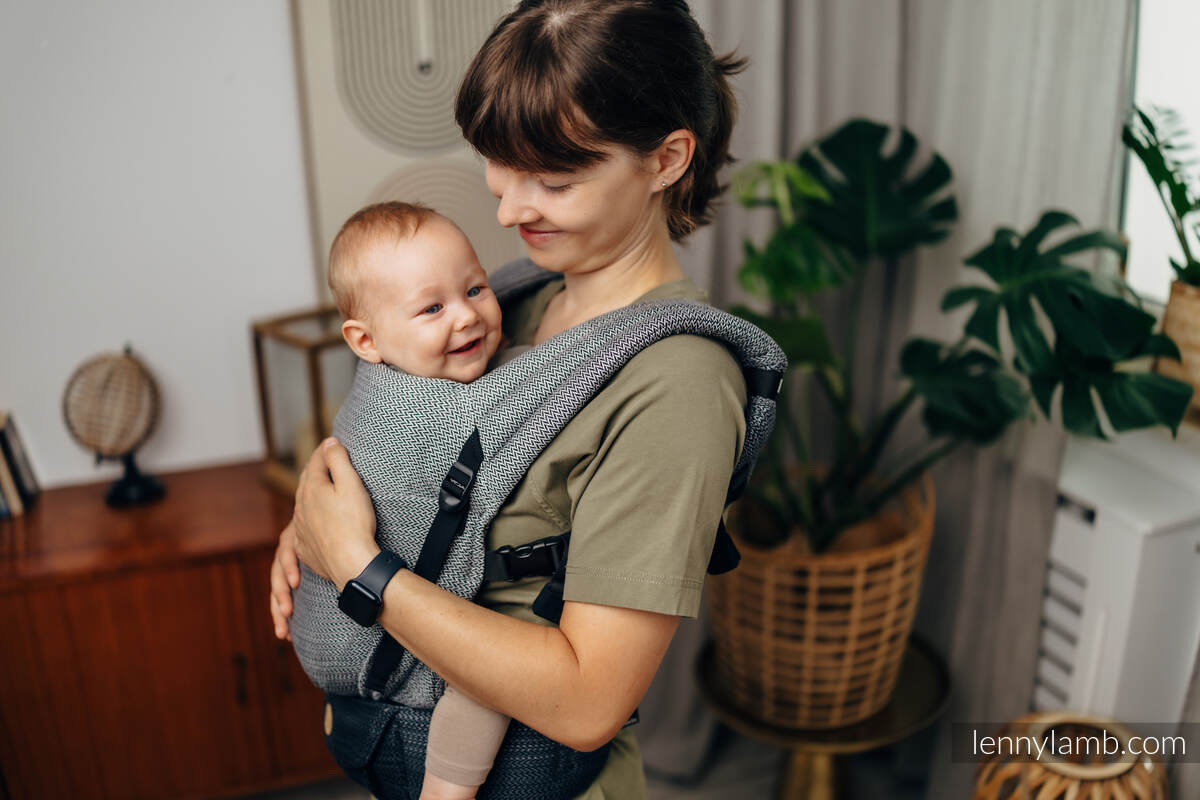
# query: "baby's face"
[431,312]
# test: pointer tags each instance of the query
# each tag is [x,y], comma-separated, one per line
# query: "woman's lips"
[468,348]
[536,237]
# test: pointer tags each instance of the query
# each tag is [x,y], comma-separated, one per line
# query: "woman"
[603,123]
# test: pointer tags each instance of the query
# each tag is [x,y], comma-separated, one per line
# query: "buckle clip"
[529,559]
[456,486]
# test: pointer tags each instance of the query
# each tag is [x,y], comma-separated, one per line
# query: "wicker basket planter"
[1182,323]
[1116,777]
[808,641]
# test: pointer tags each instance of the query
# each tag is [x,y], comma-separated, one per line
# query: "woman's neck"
[589,294]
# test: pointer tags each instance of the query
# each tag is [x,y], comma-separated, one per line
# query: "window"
[1164,76]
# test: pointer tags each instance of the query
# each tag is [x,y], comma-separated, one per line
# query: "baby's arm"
[463,740]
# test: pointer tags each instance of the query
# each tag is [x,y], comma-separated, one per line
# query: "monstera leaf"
[967,395]
[1089,319]
[1131,400]
[1094,332]
[874,207]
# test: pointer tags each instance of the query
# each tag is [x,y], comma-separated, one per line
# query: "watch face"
[359,603]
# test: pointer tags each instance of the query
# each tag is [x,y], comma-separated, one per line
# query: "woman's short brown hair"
[559,79]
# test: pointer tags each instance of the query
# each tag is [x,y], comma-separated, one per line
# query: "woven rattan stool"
[921,696]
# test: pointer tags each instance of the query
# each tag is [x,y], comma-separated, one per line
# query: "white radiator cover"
[1121,612]
[378,79]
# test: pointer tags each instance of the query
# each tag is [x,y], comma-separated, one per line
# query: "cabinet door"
[294,707]
[163,673]
[46,748]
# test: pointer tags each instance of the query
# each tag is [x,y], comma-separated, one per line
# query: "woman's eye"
[433,309]
[559,188]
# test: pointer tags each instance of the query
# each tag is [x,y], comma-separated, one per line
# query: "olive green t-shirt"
[639,478]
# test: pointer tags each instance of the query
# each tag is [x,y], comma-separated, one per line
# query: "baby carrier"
[439,458]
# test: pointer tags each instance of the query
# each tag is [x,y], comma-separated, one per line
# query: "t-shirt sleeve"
[645,508]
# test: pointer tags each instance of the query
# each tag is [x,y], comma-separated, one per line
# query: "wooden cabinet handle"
[239,681]
[283,654]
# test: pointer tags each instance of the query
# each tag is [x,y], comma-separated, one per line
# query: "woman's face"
[580,221]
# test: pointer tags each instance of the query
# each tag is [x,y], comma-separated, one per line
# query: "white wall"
[152,191]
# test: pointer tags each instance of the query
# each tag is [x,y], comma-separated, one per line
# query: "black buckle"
[456,486]
[541,557]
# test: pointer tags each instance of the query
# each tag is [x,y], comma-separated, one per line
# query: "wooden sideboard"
[137,658]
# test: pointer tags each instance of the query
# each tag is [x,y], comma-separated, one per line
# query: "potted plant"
[811,628]
[1158,140]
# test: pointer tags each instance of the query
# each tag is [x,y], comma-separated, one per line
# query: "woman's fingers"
[337,461]
[285,554]
[285,576]
[281,602]
[279,620]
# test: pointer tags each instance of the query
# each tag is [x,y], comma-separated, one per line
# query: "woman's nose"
[515,206]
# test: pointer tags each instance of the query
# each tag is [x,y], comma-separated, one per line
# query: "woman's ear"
[671,158]
[360,340]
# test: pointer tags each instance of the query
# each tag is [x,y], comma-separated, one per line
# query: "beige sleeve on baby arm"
[463,739]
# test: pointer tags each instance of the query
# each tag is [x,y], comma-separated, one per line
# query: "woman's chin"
[545,261]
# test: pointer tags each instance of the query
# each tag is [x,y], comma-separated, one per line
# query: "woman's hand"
[285,576]
[334,522]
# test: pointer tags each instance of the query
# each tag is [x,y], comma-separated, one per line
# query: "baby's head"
[412,293]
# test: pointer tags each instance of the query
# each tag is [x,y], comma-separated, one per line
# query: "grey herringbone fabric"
[404,432]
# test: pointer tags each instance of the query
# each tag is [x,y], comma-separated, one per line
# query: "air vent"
[1062,624]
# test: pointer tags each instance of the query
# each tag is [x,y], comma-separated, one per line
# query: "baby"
[413,295]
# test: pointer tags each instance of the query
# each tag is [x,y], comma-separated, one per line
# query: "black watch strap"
[362,597]
[375,576]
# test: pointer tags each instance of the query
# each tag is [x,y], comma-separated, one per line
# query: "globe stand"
[133,488]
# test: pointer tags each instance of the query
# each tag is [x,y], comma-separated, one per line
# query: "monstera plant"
[850,204]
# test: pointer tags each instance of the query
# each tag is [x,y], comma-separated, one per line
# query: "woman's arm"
[577,683]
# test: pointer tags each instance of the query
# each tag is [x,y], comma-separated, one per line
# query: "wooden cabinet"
[138,656]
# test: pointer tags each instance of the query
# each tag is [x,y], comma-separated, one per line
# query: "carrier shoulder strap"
[453,501]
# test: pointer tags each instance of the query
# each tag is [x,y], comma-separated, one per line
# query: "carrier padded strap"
[453,502]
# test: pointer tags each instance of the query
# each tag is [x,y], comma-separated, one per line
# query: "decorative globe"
[111,406]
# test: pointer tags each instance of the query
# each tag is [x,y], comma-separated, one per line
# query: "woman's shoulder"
[681,367]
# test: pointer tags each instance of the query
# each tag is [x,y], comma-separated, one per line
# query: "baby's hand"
[435,788]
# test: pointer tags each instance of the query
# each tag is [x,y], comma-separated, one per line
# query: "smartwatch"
[362,598]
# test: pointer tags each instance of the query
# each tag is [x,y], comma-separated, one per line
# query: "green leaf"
[1130,400]
[1156,139]
[877,206]
[1159,344]
[1078,411]
[967,395]
[963,294]
[1142,400]
[1094,322]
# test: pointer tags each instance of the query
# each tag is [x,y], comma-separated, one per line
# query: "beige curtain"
[1024,99]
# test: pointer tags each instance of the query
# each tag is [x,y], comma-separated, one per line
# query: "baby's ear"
[359,338]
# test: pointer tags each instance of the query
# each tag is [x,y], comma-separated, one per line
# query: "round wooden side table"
[921,695]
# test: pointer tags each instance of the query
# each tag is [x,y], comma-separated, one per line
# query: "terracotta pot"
[808,641]
[1182,323]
